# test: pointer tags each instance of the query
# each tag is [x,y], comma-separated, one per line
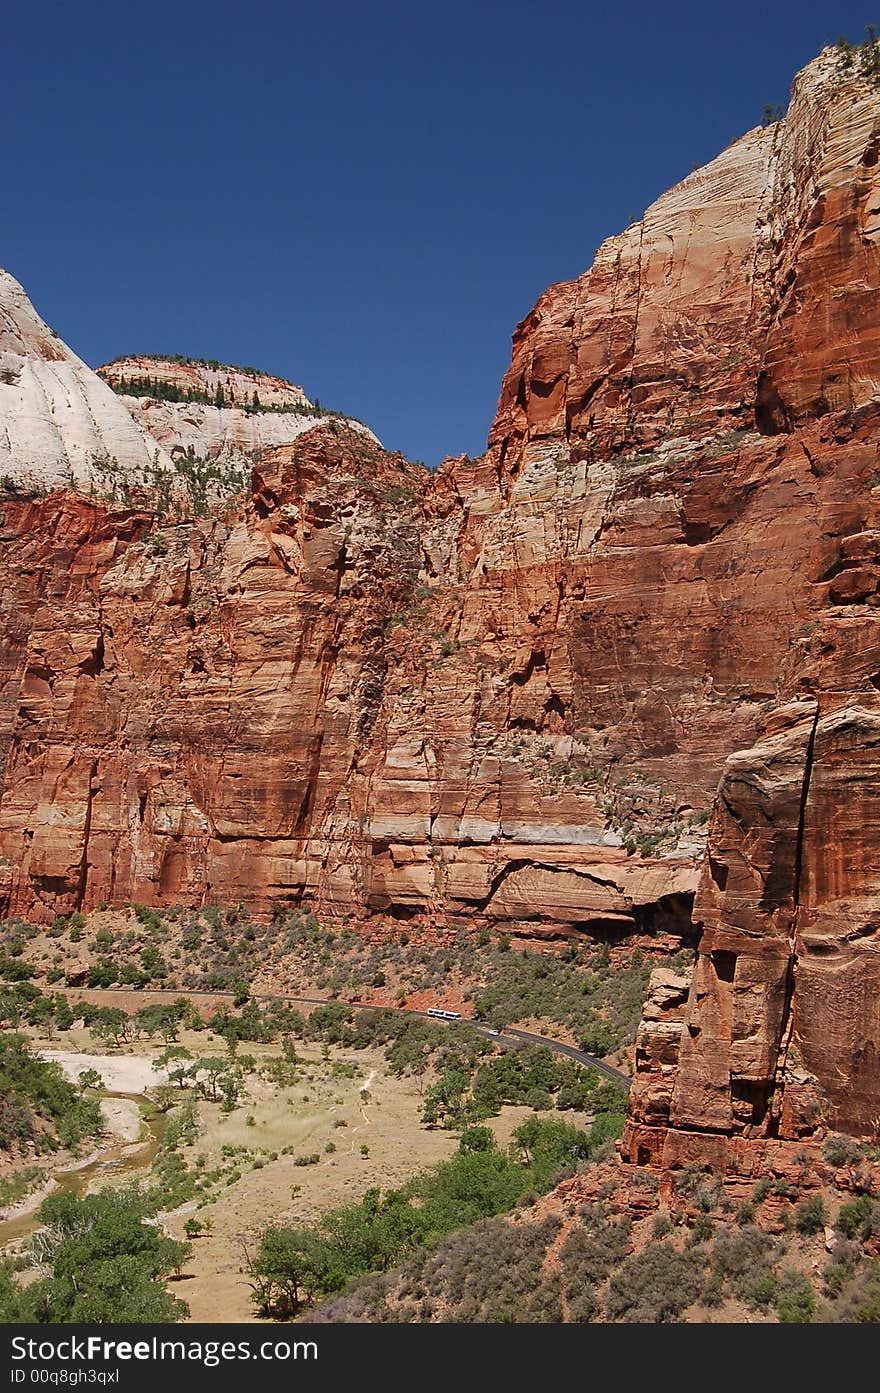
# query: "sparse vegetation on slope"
[187,489]
[653,1270]
[39,1109]
[590,993]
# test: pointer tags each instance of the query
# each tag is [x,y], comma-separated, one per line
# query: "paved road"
[504,1040]
[580,1055]
[524,1035]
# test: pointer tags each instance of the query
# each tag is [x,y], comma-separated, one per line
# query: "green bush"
[795,1301]
[38,1107]
[811,1215]
[855,1217]
[742,1263]
[841,1151]
[107,1265]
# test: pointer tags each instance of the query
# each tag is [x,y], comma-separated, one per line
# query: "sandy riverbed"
[120,1073]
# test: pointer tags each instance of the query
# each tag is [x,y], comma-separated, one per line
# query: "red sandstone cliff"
[506,693]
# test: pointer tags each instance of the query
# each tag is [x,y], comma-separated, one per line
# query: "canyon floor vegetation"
[371,1132]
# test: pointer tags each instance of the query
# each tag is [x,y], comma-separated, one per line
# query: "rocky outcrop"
[225,414]
[504,694]
[780,1034]
[247,388]
[57,418]
[746,294]
[657,1057]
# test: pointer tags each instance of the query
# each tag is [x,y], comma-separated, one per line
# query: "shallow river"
[120,1159]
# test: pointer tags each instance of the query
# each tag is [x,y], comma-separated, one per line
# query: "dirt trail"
[362,1109]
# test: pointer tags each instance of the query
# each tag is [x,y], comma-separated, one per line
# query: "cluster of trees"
[864,57]
[101,1262]
[533,1076]
[182,360]
[218,1079]
[159,390]
[600,1004]
[23,1003]
[112,1025]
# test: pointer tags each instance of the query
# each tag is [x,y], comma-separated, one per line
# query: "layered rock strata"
[56,416]
[504,694]
[258,411]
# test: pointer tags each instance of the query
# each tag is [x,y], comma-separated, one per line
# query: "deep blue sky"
[362,197]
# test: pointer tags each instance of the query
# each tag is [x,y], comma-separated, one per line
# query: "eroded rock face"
[201,704]
[745,293]
[258,411]
[56,415]
[505,694]
[244,707]
[779,1037]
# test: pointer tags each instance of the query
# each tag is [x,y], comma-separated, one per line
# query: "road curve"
[509,1035]
[571,1051]
[580,1055]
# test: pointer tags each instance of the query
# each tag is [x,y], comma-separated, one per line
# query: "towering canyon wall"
[506,693]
